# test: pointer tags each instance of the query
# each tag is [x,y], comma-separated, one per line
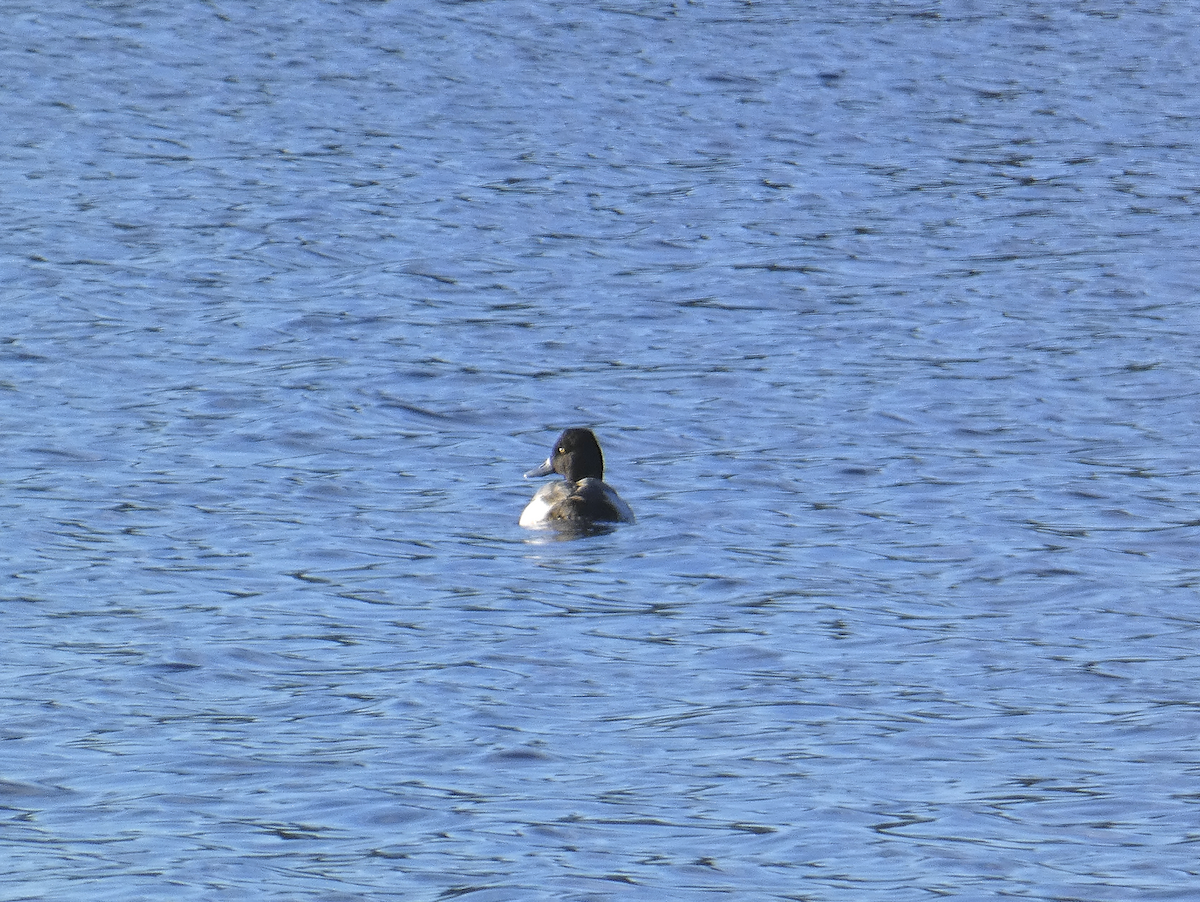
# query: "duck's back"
[593,500]
[590,500]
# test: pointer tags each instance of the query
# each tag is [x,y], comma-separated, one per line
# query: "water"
[885,315]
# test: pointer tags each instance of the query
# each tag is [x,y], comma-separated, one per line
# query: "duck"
[582,499]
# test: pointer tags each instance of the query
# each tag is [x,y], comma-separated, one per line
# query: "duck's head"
[575,455]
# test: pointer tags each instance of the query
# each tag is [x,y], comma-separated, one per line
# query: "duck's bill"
[544,470]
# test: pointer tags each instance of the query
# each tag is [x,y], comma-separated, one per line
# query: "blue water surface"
[885,314]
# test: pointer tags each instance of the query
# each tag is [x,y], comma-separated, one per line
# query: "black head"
[575,455]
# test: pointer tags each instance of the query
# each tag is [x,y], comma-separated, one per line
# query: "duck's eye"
[561,451]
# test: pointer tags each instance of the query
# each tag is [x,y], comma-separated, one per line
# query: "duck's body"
[582,498]
[588,501]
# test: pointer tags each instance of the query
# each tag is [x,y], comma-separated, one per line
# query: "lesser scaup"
[583,498]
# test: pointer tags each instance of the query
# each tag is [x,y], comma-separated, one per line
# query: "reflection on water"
[888,323]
